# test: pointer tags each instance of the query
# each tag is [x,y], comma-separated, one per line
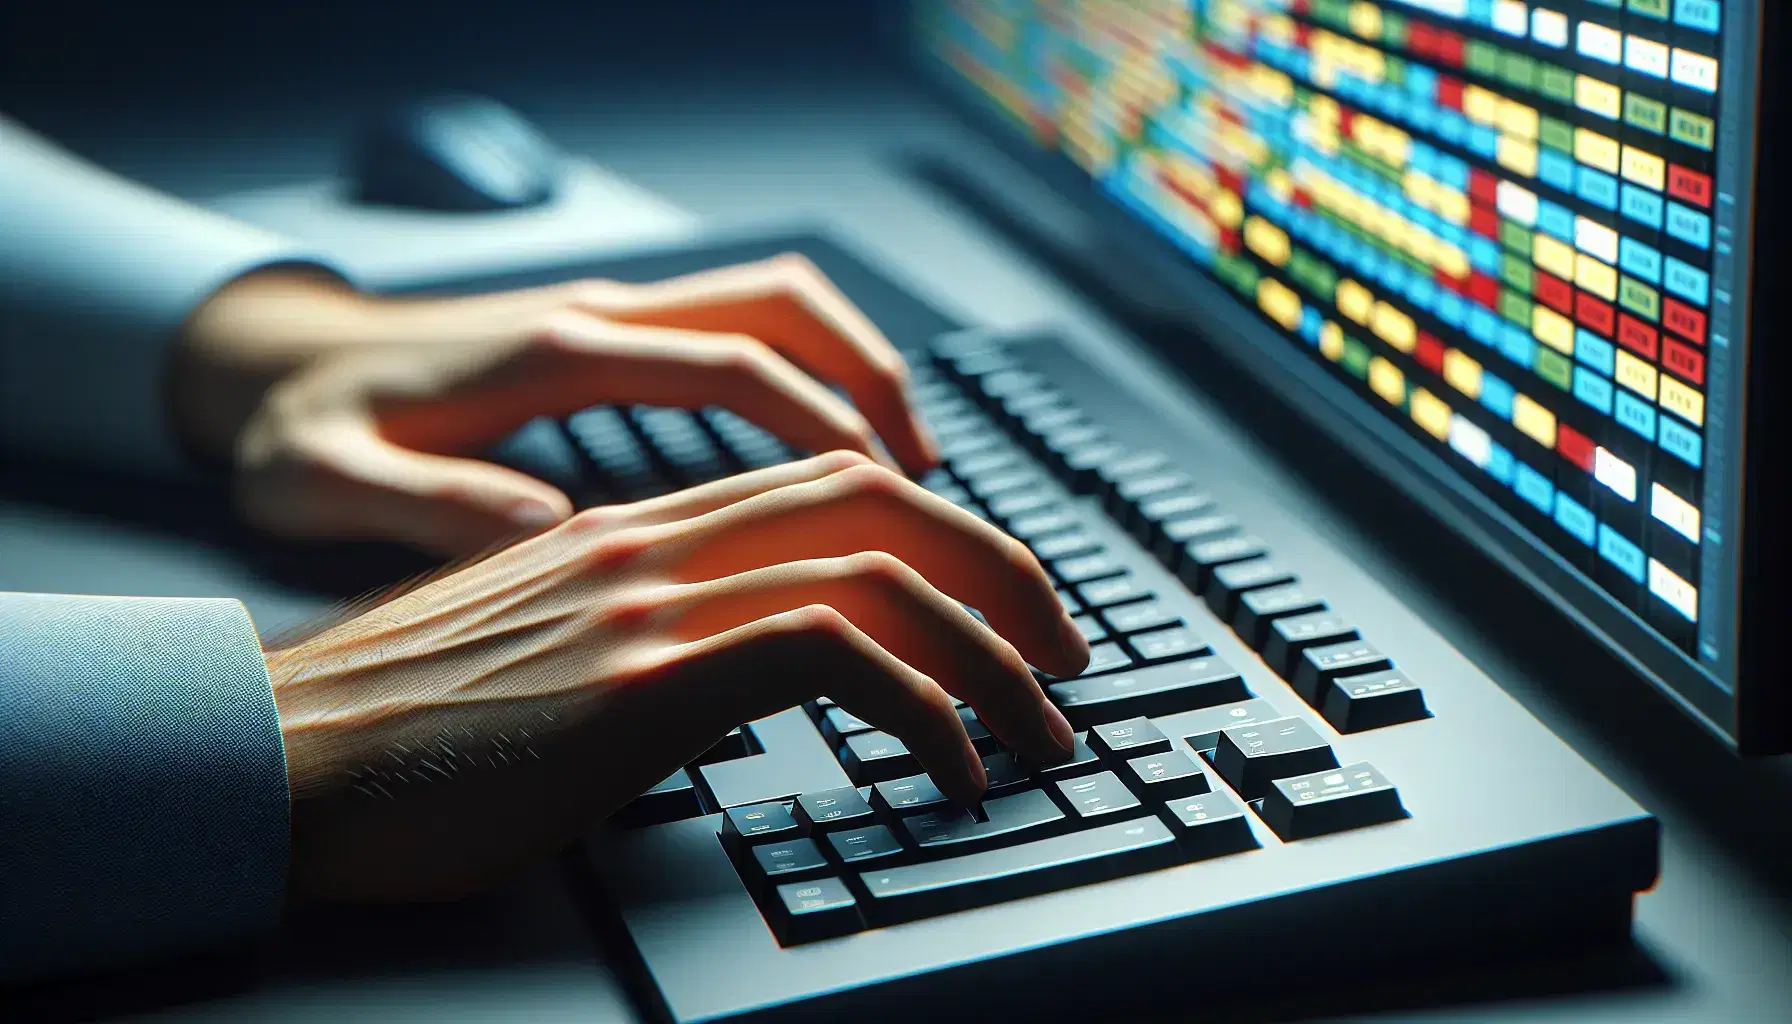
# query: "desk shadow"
[527,924]
[201,514]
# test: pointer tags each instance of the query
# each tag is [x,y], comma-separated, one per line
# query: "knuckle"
[594,521]
[870,480]
[598,293]
[841,459]
[797,267]
[617,550]
[744,357]
[881,569]
[821,622]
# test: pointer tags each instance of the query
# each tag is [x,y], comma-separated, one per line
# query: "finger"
[342,480]
[696,501]
[792,306]
[616,362]
[765,666]
[867,508]
[906,616]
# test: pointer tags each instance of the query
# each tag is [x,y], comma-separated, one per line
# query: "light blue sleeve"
[143,797]
[96,276]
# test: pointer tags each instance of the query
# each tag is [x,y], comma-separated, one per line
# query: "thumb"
[352,483]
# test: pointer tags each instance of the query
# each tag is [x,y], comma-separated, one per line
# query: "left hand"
[348,416]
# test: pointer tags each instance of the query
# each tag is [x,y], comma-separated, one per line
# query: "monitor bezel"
[1755,718]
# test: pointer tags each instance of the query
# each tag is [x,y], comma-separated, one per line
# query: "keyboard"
[1282,778]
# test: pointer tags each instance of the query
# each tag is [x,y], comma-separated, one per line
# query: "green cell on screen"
[1554,367]
[1355,358]
[1555,134]
[1652,8]
[1515,237]
[1482,58]
[1642,112]
[1556,82]
[1393,30]
[1692,129]
[1639,298]
[1515,308]
[1519,71]
[1516,272]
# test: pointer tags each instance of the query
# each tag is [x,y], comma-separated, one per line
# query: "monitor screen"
[1517,231]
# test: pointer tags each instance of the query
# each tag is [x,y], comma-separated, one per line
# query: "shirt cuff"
[143,789]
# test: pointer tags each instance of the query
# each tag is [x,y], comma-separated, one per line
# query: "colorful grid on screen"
[1493,217]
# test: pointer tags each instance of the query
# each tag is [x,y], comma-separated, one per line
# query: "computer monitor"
[1505,250]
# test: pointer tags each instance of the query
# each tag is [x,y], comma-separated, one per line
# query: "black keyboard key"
[1288,637]
[837,723]
[906,795]
[770,864]
[733,744]
[1200,558]
[1211,825]
[1071,605]
[1318,666]
[1231,582]
[1082,761]
[1129,493]
[1136,464]
[1017,818]
[1167,644]
[1175,536]
[991,463]
[832,809]
[1005,774]
[1007,506]
[1106,657]
[1091,628]
[1111,591]
[1139,617]
[863,846]
[1258,608]
[674,799]
[1356,703]
[1099,796]
[1158,690]
[1009,382]
[1202,728]
[821,908]
[1166,776]
[981,738]
[1043,523]
[1046,865]
[1026,404]
[1323,802]
[758,823]
[954,494]
[1084,568]
[1080,448]
[1041,423]
[990,485]
[1130,738]
[873,756]
[1154,512]
[967,445]
[1250,757]
[1064,545]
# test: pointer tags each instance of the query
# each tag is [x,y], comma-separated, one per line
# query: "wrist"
[247,335]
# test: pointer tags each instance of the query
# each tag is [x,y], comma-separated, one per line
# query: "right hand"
[441,740]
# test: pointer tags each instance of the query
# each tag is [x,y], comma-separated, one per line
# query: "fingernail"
[1076,647]
[974,766]
[1060,727]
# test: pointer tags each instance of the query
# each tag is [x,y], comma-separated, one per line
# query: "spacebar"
[943,886]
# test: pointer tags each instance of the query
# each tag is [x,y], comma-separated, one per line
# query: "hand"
[470,726]
[355,417]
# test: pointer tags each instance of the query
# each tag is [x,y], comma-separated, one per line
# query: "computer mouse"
[454,153]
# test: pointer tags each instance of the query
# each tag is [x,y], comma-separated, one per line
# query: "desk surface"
[1718,926]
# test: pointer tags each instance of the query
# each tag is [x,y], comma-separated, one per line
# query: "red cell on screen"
[1483,187]
[1593,314]
[1449,48]
[1555,293]
[1484,221]
[1229,241]
[1689,185]
[1300,6]
[1483,289]
[1430,352]
[1459,285]
[1303,34]
[1575,446]
[1637,336]
[1420,41]
[1449,92]
[1229,179]
[1683,320]
[1684,360]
